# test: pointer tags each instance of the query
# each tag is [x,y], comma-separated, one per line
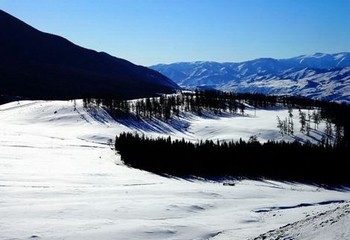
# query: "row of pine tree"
[285,161]
[335,116]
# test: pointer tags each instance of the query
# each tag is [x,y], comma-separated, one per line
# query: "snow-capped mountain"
[325,76]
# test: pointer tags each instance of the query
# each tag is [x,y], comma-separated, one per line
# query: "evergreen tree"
[328,131]
[316,117]
[302,120]
[290,122]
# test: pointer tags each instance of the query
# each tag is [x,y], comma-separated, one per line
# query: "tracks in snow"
[315,227]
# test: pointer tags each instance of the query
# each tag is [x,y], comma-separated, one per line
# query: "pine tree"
[302,120]
[280,125]
[290,122]
[316,117]
[328,131]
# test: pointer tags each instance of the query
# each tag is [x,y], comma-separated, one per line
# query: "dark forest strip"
[305,163]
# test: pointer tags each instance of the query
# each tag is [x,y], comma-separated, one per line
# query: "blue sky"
[148,32]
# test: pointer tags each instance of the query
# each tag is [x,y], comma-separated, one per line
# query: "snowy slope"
[330,224]
[60,179]
[321,76]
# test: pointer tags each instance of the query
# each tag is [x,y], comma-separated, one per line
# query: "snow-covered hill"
[323,226]
[321,76]
[61,179]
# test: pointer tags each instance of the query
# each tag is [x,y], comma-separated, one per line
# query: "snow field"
[61,179]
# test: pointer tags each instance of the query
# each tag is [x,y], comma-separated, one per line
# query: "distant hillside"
[38,65]
[321,76]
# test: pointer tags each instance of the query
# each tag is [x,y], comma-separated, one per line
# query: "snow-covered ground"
[61,179]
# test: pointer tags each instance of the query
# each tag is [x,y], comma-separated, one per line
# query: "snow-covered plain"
[61,179]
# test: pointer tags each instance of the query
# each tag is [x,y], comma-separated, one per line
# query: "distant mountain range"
[39,65]
[321,76]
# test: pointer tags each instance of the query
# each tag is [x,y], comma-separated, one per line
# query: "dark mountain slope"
[38,65]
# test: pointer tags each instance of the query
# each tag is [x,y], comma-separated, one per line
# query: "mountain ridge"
[38,65]
[315,55]
[321,76]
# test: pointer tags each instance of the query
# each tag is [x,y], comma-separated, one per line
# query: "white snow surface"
[61,179]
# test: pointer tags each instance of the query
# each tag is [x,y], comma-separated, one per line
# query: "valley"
[61,179]
[93,146]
